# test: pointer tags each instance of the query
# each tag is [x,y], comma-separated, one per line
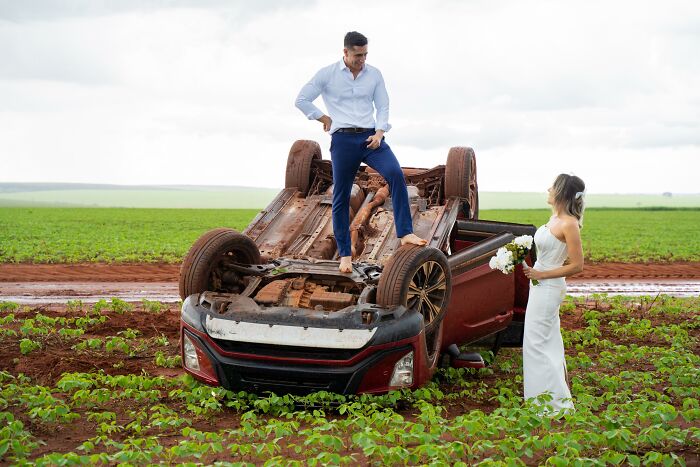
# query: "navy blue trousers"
[348,150]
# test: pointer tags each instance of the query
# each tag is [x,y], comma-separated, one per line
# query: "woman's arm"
[572,236]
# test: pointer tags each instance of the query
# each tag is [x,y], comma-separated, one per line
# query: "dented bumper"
[299,351]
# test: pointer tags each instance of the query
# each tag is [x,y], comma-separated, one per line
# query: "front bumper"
[283,350]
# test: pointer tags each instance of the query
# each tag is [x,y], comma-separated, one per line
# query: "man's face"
[355,57]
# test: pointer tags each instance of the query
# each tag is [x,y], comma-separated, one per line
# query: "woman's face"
[550,196]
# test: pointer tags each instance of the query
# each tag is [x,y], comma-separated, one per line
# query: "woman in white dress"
[544,366]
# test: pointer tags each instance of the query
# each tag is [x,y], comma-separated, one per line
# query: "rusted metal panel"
[330,300]
[286,226]
[312,226]
[263,219]
[296,227]
[440,234]
[272,293]
[298,292]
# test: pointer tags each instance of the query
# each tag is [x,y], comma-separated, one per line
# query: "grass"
[633,363]
[627,235]
[69,235]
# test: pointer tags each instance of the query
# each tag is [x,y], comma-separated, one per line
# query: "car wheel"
[460,179]
[418,278]
[298,174]
[203,266]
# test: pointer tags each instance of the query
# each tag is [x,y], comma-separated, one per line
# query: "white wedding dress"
[544,366]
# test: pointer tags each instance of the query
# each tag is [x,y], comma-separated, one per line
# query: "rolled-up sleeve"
[381,103]
[309,93]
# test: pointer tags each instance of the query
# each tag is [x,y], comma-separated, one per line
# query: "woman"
[544,366]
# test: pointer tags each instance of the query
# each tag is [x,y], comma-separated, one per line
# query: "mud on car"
[266,309]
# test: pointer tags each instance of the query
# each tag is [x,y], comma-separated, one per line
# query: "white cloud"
[185,92]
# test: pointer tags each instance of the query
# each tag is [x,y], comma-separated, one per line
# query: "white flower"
[505,259]
[493,263]
[502,261]
[524,240]
[504,256]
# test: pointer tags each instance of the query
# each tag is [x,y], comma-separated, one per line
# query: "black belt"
[354,130]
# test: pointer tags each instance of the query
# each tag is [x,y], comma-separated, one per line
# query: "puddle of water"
[30,293]
[673,288]
[29,300]
[36,293]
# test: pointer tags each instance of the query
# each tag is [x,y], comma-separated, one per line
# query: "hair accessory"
[579,194]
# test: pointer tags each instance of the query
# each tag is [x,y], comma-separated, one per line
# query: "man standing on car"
[351,90]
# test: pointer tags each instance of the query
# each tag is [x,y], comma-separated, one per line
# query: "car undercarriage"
[268,309]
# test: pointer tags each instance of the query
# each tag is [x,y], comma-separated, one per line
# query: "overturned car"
[267,309]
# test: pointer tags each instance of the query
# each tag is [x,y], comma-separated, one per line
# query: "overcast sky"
[202,92]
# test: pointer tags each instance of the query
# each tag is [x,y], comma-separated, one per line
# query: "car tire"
[410,272]
[460,179]
[298,174]
[200,269]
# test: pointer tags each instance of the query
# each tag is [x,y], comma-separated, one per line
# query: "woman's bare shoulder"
[569,222]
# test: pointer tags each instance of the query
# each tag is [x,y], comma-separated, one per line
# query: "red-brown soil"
[46,365]
[149,272]
[56,357]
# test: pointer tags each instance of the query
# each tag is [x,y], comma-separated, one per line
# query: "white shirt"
[350,102]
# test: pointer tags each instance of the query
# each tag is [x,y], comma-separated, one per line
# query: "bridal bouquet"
[512,254]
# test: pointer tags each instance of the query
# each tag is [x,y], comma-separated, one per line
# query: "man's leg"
[345,159]
[384,161]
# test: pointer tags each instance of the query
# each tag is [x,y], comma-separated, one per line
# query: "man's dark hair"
[354,38]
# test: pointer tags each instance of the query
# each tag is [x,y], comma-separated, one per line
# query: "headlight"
[190,351]
[403,371]
[196,361]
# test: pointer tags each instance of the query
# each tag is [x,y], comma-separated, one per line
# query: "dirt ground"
[45,367]
[149,272]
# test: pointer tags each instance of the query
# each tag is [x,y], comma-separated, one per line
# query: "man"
[351,90]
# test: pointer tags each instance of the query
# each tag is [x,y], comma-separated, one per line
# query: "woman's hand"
[532,273]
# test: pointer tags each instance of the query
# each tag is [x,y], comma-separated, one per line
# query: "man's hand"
[326,120]
[375,140]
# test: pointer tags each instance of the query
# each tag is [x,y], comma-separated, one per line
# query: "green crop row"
[627,235]
[633,362]
[48,235]
[57,235]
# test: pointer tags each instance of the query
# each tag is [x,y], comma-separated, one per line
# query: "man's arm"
[381,103]
[308,94]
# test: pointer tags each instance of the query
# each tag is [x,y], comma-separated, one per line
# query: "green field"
[627,235]
[218,197]
[68,235]
[633,364]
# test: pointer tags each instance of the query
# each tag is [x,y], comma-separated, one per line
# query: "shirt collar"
[342,66]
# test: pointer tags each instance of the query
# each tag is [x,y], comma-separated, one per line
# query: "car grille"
[284,382]
[284,351]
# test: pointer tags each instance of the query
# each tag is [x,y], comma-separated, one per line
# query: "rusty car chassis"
[268,310]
